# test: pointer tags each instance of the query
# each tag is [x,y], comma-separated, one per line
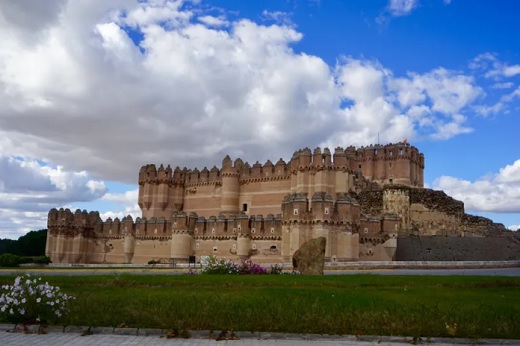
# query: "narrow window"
[244,207]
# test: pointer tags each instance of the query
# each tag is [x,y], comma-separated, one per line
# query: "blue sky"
[90,91]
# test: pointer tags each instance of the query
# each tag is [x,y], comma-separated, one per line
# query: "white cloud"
[279,17]
[104,89]
[213,21]
[29,189]
[492,67]
[514,227]
[398,8]
[502,106]
[505,85]
[494,193]
[128,202]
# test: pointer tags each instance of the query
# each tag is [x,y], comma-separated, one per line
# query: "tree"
[32,244]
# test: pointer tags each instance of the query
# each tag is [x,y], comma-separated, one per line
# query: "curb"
[226,335]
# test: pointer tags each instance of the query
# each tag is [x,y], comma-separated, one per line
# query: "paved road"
[72,272]
[52,339]
[480,272]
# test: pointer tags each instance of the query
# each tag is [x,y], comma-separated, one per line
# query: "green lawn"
[475,307]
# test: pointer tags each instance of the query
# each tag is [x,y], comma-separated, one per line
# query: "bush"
[212,265]
[276,269]
[42,260]
[29,301]
[248,267]
[153,262]
[9,260]
[25,259]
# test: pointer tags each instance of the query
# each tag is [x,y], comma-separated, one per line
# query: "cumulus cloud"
[279,17]
[128,202]
[514,227]
[107,90]
[213,21]
[398,8]
[502,106]
[505,85]
[28,189]
[498,192]
[492,67]
[104,89]
[428,105]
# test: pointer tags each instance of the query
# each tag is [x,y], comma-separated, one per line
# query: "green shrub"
[25,259]
[42,260]
[9,260]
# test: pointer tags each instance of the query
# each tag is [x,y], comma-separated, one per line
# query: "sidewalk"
[156,337]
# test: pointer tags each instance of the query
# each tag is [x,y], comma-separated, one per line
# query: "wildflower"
[26,300]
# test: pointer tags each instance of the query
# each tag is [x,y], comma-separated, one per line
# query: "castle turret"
[322,206]
[129,247]
[51,233]
[177,191]
[230,188]
[182,238]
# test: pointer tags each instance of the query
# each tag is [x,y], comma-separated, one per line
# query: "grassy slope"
[354,304]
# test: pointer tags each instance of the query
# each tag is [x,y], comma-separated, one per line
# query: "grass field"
[427,306]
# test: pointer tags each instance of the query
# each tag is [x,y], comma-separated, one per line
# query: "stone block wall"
[440,248]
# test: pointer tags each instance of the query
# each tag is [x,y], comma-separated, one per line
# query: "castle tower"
[177,190]
[294,165]
[51,233]
[182,239]
[147,182]
[129,247]
[162,190]
[403,169]
[322,163]
[230,188]
[77,240]
[366,158]
[303,174]
[379,163]
[322,207]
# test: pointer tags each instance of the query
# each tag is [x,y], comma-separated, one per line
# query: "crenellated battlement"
[359,199]
[342,210]
[191,211]
[258,188]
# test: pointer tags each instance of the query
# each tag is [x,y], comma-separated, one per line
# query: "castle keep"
[360,200]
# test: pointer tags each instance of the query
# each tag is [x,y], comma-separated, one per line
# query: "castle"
[359,199]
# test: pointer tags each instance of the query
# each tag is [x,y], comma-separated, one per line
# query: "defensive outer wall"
[362,200]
